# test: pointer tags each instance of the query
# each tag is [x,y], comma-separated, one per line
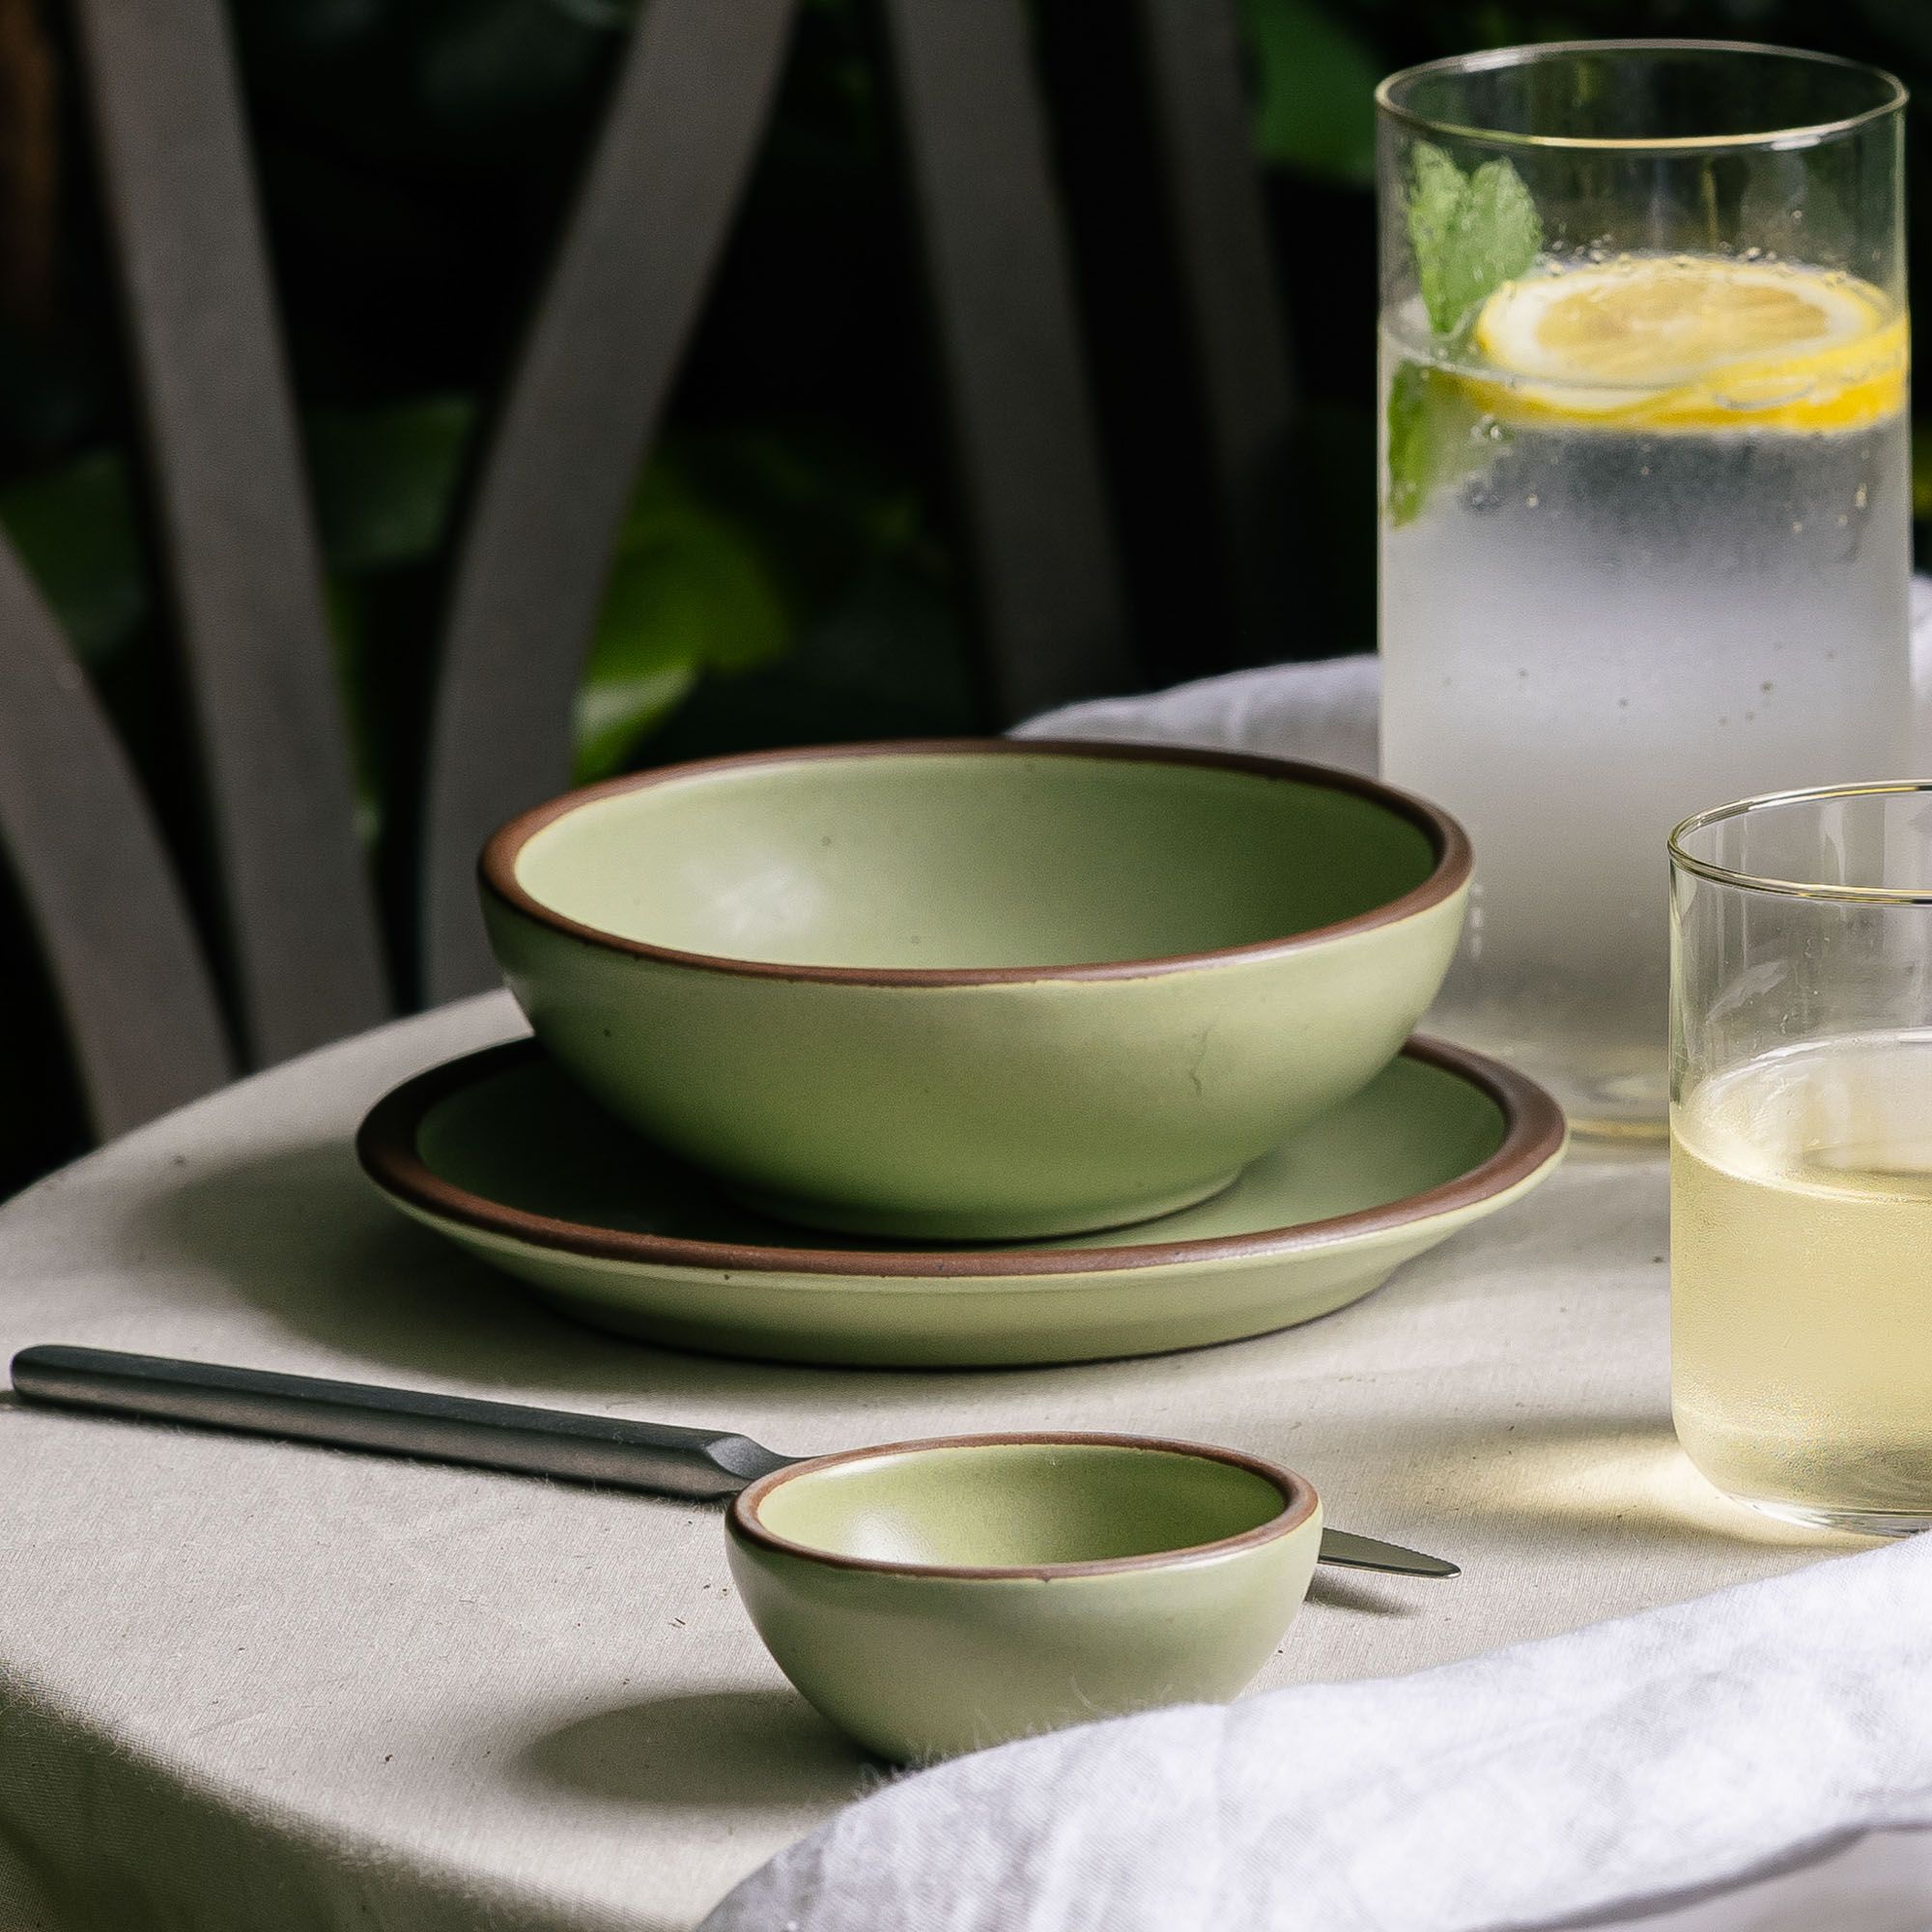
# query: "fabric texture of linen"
[1324,713]
[1627,1764]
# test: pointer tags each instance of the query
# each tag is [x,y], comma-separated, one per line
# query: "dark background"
[789,570]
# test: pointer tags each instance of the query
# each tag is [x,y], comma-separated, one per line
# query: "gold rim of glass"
[1811,135]
[1797,889]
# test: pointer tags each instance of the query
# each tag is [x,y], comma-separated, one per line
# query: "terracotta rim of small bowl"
[497,868]
[387,1145]
[1298,1502]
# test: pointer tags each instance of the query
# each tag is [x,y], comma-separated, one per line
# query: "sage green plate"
[968,990]
[500,1153]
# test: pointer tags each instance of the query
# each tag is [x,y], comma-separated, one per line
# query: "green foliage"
[1921,473]
[690,590]
[386,480]
[75,530]
[1314,80]
[734,547]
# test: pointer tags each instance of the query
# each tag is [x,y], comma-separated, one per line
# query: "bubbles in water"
[1481,493]
[1643,581]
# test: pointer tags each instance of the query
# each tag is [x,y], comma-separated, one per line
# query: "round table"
[244,1683]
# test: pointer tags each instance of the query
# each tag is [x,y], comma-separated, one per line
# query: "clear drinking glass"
[1645,497]
[1801,1150]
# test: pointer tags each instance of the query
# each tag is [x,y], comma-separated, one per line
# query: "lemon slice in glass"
[1688,341]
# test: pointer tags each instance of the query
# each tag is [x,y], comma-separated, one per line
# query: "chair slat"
[1002,286]
[1220,242]
[236,523]
[687,117]
[139,1008]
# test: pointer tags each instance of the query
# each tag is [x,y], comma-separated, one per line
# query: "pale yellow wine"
[1801,1280]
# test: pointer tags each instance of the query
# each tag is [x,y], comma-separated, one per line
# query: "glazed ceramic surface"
[933,1597]
[976,990]
[501,1154]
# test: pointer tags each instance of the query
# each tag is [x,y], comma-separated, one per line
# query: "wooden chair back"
[157,1012]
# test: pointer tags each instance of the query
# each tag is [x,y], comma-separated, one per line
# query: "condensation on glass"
[1645,496]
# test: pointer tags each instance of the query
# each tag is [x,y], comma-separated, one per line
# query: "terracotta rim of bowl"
[387,1145]
[497,868]
[1298,1502]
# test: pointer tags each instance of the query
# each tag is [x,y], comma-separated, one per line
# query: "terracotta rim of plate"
[1298,1502]
[387,1145]
[497,868]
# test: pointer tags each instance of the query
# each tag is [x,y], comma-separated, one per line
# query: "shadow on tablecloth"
[701,1750]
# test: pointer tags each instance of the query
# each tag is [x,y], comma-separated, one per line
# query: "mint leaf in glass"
[1437,435]
[1471,233]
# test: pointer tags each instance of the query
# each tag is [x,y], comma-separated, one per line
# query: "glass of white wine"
[1801,1126]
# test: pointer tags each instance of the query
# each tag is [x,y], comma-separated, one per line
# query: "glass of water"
[1645,495]
[1800,1130]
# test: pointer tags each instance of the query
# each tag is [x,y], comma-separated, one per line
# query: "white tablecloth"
[245,1684]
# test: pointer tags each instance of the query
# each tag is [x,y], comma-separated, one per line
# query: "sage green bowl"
[933,1597]
[969,990]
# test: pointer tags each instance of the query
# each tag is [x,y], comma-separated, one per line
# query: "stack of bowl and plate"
[966,1053]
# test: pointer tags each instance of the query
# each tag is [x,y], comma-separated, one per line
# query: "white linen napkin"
[1326,712]
[1619,1767]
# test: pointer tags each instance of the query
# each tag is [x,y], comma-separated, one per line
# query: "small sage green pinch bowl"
[969,991]
[931,1597]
